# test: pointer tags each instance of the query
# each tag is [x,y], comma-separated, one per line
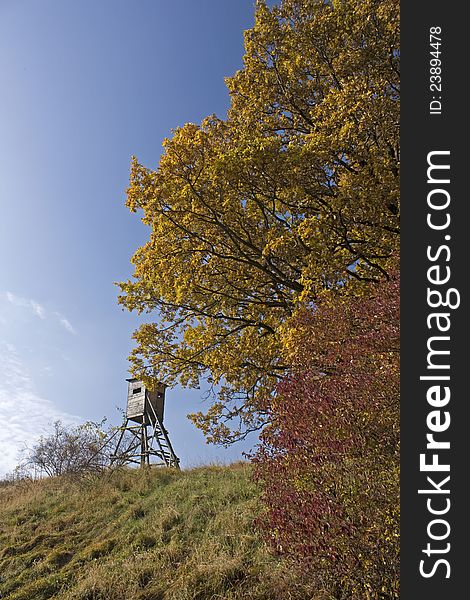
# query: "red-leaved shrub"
[329,460]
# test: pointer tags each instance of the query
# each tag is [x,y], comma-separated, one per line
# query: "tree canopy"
[291,197]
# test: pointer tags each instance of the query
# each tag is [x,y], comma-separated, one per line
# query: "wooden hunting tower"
[147,440]
[137,397]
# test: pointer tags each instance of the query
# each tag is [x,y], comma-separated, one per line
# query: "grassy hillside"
[153,535]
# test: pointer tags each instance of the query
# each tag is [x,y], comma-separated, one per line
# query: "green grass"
[143,535]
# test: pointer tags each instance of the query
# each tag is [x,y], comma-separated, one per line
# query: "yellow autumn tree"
[294,195]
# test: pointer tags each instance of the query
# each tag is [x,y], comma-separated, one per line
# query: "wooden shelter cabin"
[143,439]
[142,403]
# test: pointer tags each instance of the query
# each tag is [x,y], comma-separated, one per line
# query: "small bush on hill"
[67,450]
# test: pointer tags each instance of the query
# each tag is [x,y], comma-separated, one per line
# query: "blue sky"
[85,85]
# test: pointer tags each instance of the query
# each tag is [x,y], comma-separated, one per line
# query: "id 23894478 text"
[435,70]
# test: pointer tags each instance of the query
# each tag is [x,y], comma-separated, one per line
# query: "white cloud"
[30,304]
[24,415]
[16,300]
[38,310]
[66,324]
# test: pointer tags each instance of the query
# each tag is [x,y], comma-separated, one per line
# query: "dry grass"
[152,535]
